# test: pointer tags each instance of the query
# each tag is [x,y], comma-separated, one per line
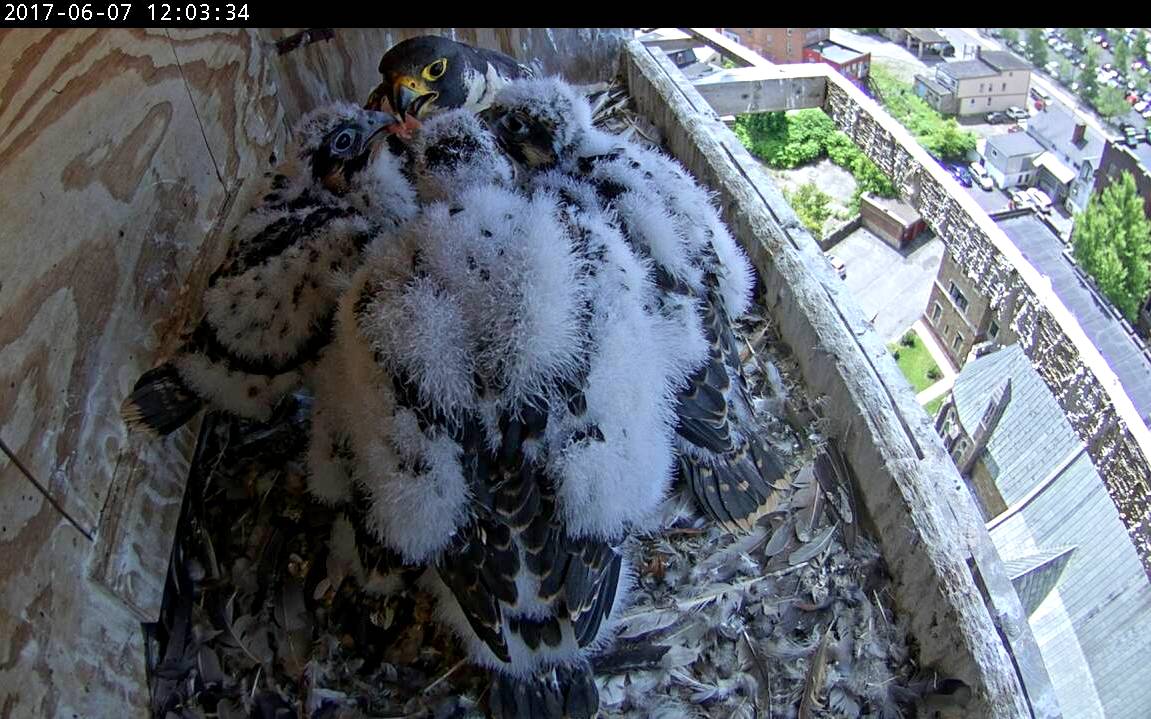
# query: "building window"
[957,297]
[981,87]
[971,102]
[957,341]
[993,330]
[1004,87]
[989,102]
[936,312]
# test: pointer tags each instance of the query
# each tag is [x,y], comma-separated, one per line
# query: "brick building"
[781,45]
[851,63]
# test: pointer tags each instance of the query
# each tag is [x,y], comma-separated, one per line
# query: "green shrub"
[934,374]
[812,206]
[907,340]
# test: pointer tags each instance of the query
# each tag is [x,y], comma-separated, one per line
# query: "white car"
[979,174]
[838,265]
[1020,200]
[1017,113]
[1040,198]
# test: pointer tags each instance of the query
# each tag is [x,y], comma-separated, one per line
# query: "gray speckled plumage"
[268,307]
[702,275]
[506,382]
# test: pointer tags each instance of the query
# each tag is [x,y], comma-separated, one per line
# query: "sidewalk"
[938,389]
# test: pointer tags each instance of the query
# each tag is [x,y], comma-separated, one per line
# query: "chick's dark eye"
[344,141]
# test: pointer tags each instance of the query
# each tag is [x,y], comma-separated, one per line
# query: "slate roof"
[1098,319]
[1033,435]
[1092,628]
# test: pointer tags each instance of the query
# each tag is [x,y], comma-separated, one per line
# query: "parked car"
[961,175]
[1017,113]
[1040,94]
[979,173]
[1039,198]
[998,118]
[838,265]
[1020,200]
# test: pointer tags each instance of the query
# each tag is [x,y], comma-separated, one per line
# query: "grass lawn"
[915,362]
[932,407]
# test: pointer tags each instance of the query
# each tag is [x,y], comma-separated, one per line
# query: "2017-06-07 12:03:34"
[52,13]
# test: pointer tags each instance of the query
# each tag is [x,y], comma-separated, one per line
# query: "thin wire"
[43,490]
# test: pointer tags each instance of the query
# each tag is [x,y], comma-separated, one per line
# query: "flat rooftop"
[837,53]
[1099,320]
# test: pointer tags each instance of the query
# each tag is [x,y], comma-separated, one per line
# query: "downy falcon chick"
[510,419]
[268,307]
[670,221]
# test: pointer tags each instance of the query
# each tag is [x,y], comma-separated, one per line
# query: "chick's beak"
[379,124]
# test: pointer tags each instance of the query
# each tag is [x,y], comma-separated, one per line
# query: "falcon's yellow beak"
[410,95]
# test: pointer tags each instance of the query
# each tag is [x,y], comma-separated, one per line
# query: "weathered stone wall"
[1078,389]
[948,584]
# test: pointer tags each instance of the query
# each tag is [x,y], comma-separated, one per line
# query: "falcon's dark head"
[539,122]
[338,142]
[425,74]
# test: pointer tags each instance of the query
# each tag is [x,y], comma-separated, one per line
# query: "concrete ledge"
[922,514]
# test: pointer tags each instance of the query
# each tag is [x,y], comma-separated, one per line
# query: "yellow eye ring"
[436,70]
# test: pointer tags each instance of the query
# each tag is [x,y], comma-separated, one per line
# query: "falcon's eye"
[436,70]
[344,141]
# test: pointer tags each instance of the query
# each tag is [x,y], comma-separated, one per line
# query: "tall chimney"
[1079,133]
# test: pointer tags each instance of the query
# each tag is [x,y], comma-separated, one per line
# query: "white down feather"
[453,152]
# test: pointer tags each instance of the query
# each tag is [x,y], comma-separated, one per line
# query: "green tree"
[1076,37]
[811,205]
[1121,52]
[1142,82]
[1010,35]
[1088,84]
[1112,242]
[949,141]
[1036,47]
[1139,47]
[1066,71]
[1111,101]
